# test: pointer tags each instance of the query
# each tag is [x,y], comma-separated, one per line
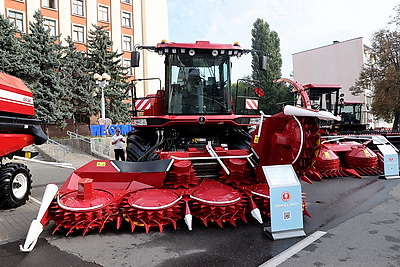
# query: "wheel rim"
[20,185]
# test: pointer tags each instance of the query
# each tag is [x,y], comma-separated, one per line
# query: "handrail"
[77,136]
[95,146]
[58,148]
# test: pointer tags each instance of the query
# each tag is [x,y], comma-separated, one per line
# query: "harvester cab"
[197,78]
[196,106]
[328,97]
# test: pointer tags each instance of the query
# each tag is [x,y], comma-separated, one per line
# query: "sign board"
[390,161]
[285,202]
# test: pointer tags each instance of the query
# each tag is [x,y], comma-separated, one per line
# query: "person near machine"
[118,141]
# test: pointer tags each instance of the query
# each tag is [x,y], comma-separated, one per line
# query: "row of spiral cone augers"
[150,194]
[336,157]
[210,184]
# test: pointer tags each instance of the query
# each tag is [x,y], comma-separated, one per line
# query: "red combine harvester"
[337,155]
[18,129]
[189,157]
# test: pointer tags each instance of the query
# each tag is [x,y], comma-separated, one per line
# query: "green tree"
[77,77]
[267,43]
[42,61]
[103,60]
[11,52]
[381,74]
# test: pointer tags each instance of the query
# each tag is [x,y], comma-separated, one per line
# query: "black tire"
[239,139]
[137,145]
[15,185]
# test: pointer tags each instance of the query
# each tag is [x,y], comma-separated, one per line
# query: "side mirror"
[135,59]
[262,61]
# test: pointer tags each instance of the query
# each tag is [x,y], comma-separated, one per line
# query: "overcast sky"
[300,24]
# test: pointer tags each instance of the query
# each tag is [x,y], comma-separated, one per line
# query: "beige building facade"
[129,23]
[337,63]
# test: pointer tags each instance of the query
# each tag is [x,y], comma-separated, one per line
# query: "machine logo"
[202,120]
[285,196]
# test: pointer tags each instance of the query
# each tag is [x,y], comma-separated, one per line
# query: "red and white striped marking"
[16,98]
[142,104]
[251,103]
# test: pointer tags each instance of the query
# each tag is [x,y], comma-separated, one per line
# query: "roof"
[200,45]
[334,43]
[323,86]
[11,83]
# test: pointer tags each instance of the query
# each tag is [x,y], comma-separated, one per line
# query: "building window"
[17,19]
[127,43]
[50,24]
[126,19]
[77,8]
[127,64]
[103,13]
[49,4]
[78,33]
[82,117]
[126,1]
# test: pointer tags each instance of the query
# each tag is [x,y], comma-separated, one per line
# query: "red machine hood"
[15,96]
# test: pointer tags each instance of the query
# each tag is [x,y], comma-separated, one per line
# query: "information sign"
[390,161]
[285,202]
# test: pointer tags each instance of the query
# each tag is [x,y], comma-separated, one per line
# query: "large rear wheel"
[139,144]
[15,185]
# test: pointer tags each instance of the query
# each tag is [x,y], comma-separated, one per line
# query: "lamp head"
[97,76]
[105,76]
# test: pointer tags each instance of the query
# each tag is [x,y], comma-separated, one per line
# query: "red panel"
[15,107]
[14,142]
[172,120]
[15,97]
[102,171]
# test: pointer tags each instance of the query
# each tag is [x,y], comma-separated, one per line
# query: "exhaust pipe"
[36,227]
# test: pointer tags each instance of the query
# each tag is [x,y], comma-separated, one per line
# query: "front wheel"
[15,185]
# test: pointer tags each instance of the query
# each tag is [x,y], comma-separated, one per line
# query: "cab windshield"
[198,84]
[351,113]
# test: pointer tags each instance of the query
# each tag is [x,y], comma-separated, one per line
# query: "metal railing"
[94,144]
[58,151]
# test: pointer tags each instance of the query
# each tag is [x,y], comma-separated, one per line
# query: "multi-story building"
[129,22]
[337,63]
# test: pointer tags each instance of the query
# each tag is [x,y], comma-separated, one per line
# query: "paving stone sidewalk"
[14,223]
[75,157]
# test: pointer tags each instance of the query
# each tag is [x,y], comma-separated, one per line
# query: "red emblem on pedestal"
[285,196]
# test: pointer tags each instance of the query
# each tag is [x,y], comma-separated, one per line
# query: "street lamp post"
[101,81]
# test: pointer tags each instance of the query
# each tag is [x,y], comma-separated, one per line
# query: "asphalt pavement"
[370,239]
[367,236]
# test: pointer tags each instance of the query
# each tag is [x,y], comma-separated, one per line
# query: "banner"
[101,130]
